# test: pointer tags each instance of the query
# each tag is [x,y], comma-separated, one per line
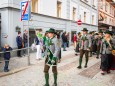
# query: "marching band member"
[52,56]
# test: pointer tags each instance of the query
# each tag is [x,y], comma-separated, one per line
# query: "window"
[59,9]
[94,3]
[84,17]
[110,9]
[105,19]
[93,19]
[80,17]
[106,7]
[101,5]
[35,6]
[110,21]
[74,13]
[86,0]
[114,13]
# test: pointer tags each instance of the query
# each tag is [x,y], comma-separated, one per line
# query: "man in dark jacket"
[25,40]
[64,39]
[19,43]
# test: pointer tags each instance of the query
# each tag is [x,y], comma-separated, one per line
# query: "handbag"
[113,52]
[22,44]
[33,46]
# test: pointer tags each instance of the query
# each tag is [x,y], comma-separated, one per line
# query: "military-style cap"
[96,34]
[100,31]
[108,32]
[51,30]
[90,32]
[84,29]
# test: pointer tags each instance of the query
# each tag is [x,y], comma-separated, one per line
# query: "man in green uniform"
[91,36]
[84,47]
[51,56]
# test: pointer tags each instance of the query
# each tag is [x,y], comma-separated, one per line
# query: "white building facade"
[59,14]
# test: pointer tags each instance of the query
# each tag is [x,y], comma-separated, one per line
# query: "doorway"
[32,36]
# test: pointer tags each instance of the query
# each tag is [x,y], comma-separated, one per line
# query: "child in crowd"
[7,56]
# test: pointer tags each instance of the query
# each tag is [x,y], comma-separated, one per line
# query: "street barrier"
[16,65]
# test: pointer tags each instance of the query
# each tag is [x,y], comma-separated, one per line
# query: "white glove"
[88,49]
[79,48]
[52,61]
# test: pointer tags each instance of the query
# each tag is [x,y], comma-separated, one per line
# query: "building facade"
[59,14]
[107,10]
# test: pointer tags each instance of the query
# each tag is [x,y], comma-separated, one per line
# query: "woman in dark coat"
[19,43]
[113,58]
[106,53]
[64,39]
[113,63]
[59,44]
[94,43]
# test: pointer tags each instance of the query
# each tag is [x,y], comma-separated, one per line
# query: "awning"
[105,25]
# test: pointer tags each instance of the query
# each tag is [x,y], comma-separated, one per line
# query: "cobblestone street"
[68,74]
[76,37]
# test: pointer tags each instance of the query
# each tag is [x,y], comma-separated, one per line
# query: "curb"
[3,74]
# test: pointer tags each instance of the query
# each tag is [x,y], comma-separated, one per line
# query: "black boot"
[79,67]
[85,66]
[86,62]
[80,62]
[97,57]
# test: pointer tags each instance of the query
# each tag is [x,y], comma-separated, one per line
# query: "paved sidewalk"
[68,74]
[17,63]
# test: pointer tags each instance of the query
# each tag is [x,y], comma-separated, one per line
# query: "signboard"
[79,22]
[25,11]
[4,35]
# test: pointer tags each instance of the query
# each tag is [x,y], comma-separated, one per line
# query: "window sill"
[86,1]
[94,6]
